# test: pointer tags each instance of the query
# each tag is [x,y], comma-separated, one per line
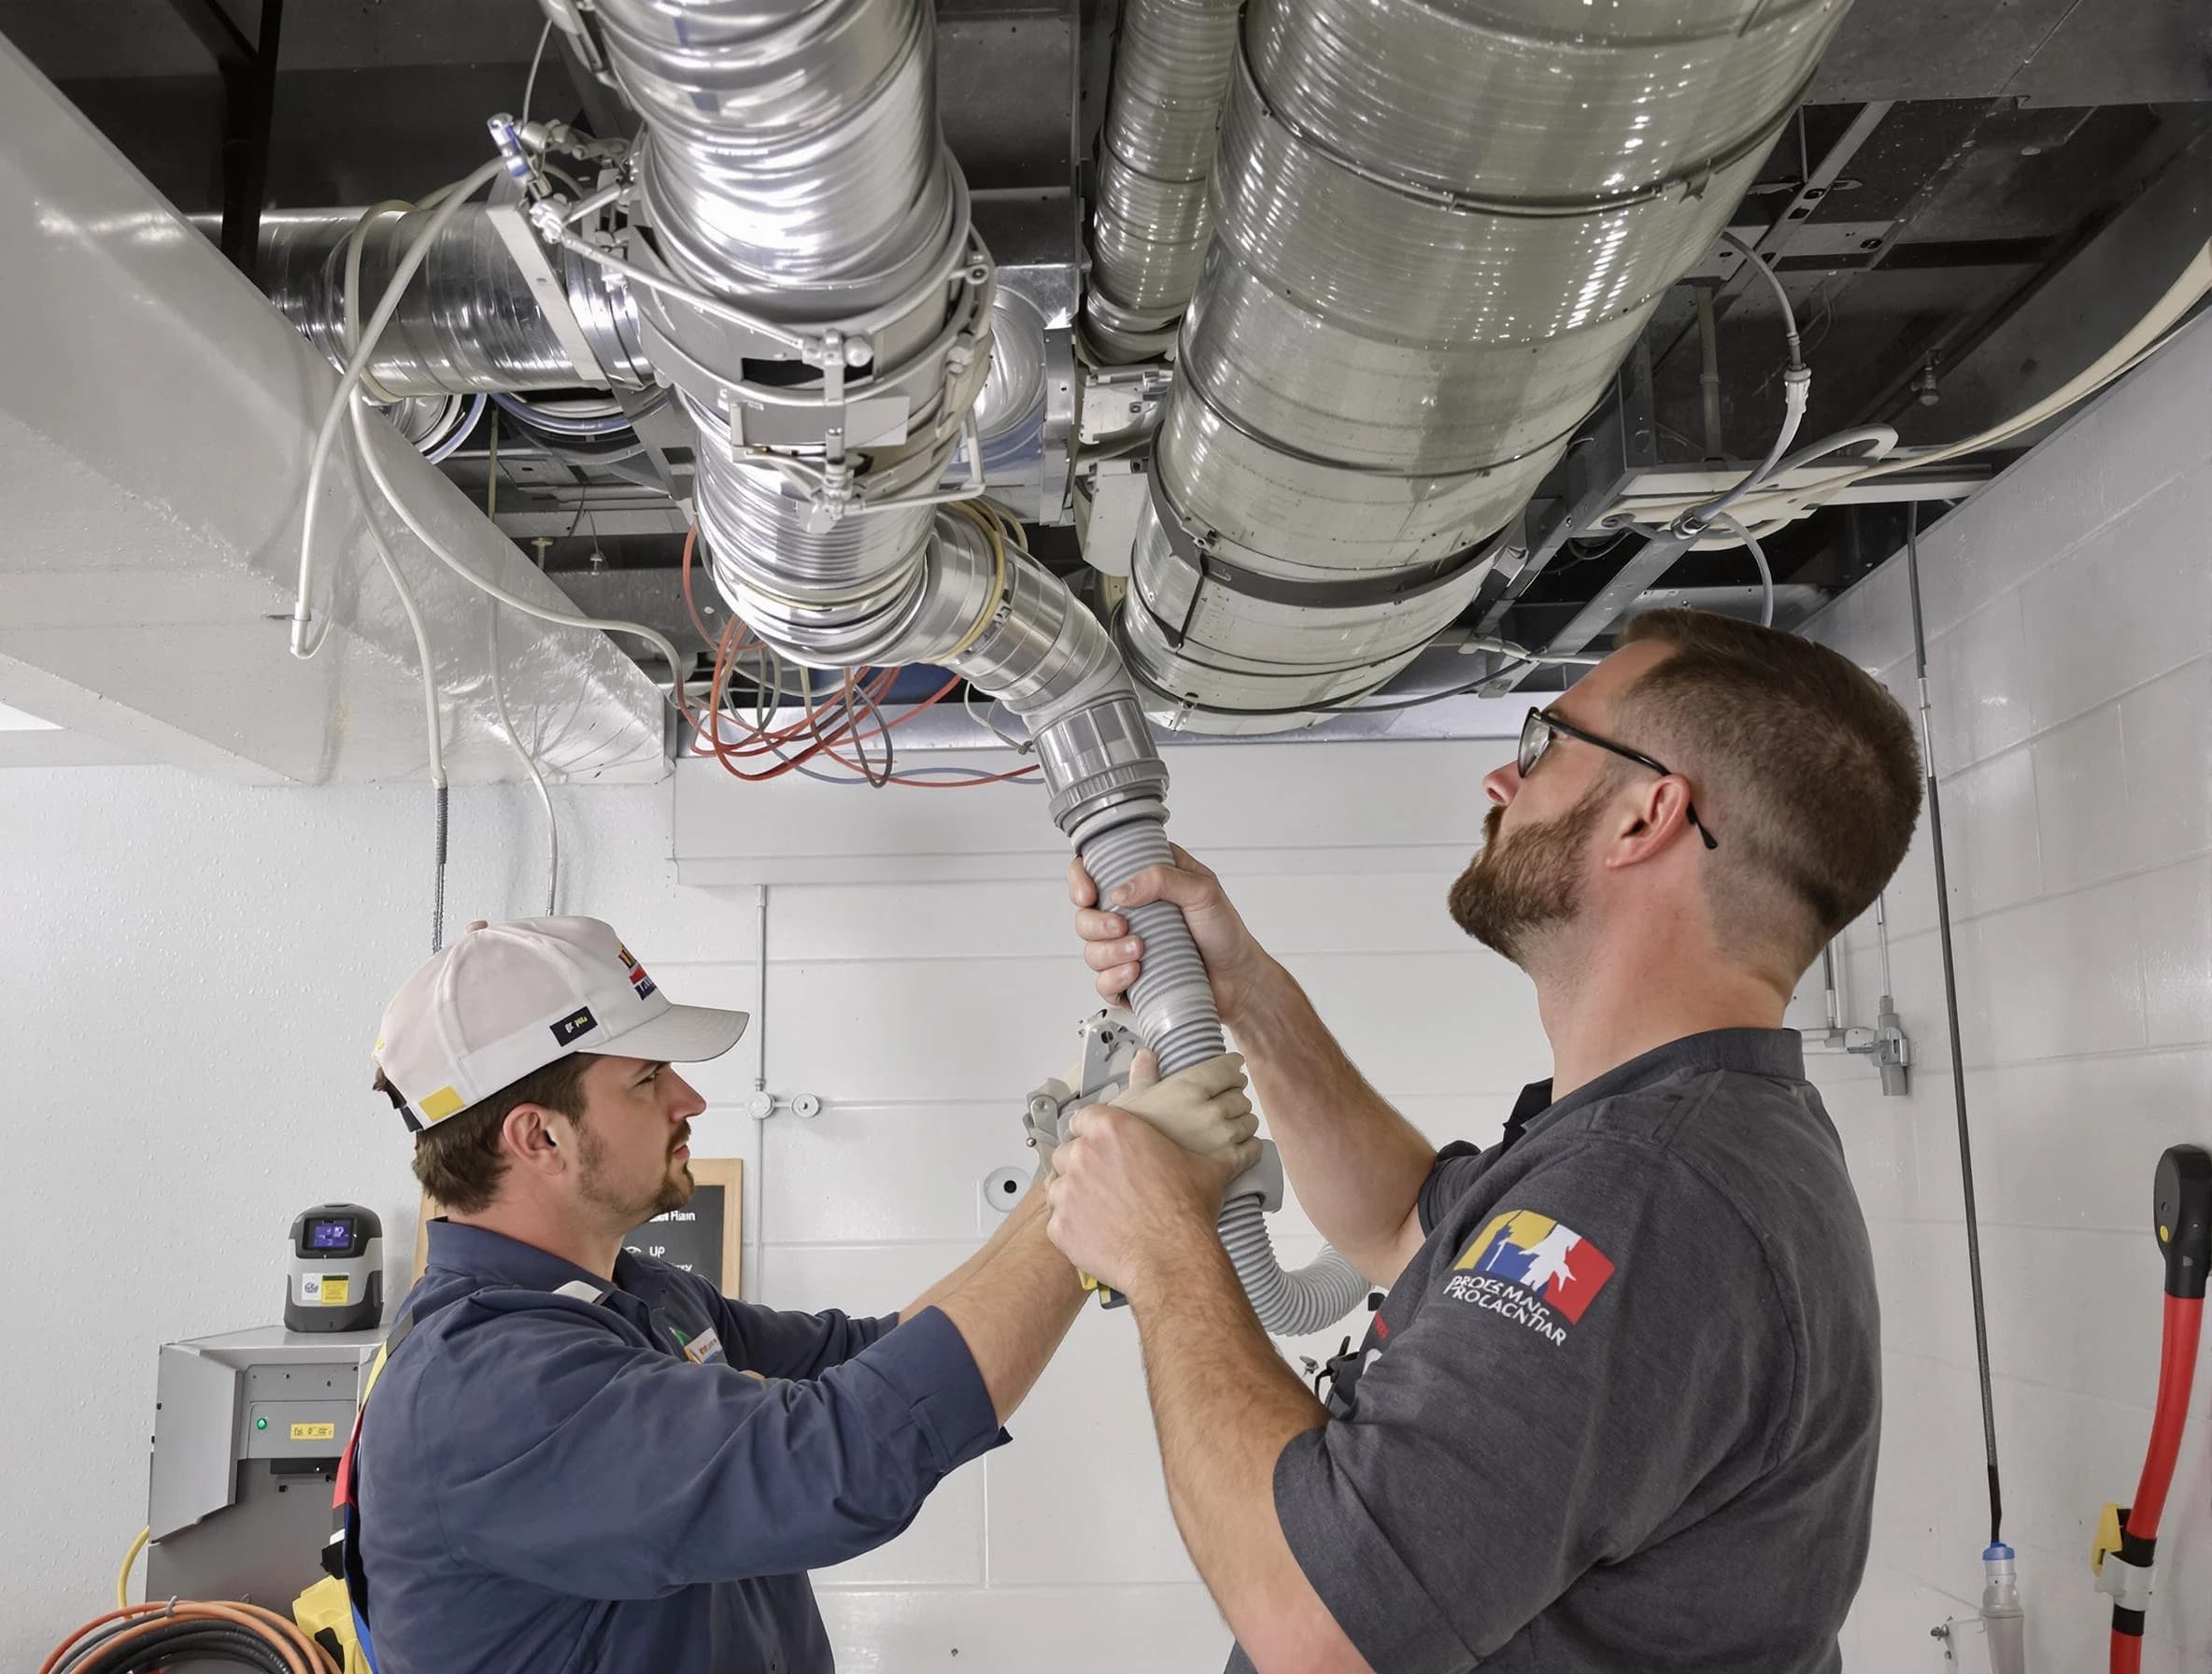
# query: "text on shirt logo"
[1529,1268]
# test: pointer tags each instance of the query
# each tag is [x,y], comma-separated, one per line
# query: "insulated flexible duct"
[1171,72]
[793,167]
[1438,229]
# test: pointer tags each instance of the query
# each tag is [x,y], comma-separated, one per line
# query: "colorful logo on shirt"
[1529,1268]
[636,972]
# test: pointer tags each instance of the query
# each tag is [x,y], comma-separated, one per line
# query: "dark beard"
[673,1195]
[674,1192]
[1518,884]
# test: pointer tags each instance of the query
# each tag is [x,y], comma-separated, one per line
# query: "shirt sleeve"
[1605,1360]
[777,1344]
[611,1470]
[1448,1176]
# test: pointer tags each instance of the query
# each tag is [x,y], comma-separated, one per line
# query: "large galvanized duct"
[470,321]
[1171,69]
[1440,228]
[793,165]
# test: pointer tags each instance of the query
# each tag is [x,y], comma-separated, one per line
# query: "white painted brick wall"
[2070,613]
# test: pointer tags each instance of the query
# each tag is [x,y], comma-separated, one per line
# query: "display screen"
[329,1235]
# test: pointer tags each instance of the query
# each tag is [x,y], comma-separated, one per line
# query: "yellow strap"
[376,1370]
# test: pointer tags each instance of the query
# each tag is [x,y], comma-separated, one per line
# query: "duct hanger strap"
[935,384]
[1175,604]
[1686,183]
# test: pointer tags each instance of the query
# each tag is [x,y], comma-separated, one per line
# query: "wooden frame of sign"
[724,1174]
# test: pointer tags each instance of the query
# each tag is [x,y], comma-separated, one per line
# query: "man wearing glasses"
[1619,1409]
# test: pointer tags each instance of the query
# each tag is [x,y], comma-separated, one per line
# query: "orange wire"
[761,742]
[302,1655]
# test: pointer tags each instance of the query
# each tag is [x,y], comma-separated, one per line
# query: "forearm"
[1356,1163]
[1030,1208]
[1015,1308]
[1225,1406]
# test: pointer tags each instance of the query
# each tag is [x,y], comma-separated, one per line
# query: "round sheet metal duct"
[1438,229]
[469,321]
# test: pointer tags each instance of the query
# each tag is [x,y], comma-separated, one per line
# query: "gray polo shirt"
[1621,1411]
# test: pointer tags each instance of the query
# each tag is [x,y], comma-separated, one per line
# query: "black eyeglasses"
[1541,726]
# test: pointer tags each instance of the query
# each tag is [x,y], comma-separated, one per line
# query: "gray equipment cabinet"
[247,1431]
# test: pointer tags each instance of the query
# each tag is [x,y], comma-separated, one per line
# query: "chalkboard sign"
[705,1236]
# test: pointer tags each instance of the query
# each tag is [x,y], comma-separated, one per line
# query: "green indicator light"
[260,1424]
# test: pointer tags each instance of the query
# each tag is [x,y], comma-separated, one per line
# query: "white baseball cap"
[509,998]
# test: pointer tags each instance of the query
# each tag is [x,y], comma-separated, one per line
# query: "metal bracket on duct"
[792,166]
[1439,230]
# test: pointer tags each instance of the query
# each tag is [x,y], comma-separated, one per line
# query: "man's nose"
[1502,785]
[687,1102]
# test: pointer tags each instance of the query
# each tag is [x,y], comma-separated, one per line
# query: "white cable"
[567,619]
[399,586]
[530,761]
[2141,340]
[531,85]
[1797,396]
[1759,558]
[448,205]
[1505,647]
[429,699]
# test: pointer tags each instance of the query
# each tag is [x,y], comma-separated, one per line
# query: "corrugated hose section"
[1290,1303]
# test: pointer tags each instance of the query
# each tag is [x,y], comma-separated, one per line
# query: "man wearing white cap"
[575,1458]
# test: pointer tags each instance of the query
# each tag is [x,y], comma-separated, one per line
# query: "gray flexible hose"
[1289,1303]
[1173,998]
[1174,1007]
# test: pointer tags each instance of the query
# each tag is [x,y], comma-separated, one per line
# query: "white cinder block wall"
[185,1033]
[2069,609]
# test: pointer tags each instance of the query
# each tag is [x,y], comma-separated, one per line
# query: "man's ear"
[530,1139]
[1653,816]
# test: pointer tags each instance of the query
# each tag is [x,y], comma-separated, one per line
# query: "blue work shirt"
[636,1485]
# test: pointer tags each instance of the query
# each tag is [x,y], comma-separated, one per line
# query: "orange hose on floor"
[302,1655]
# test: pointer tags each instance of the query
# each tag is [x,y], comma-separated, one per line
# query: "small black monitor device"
[336,1272]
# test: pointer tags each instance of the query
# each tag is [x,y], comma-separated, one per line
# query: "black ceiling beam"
[249,70]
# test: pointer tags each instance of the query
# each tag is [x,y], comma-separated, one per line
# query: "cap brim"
[683,1034]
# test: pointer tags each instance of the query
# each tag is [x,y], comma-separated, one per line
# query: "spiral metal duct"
[1171,72]
[1438,229]
[792,165]
[469,322]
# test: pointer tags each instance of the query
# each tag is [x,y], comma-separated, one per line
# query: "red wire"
[691,540]
[760,742]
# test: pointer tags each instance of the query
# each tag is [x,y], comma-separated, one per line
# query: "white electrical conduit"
[1797,395]
[1768,508]
[434,738]
[1728,522]
[530,761]
[350,380]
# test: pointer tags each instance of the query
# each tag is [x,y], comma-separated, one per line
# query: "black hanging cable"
[1951,1003]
